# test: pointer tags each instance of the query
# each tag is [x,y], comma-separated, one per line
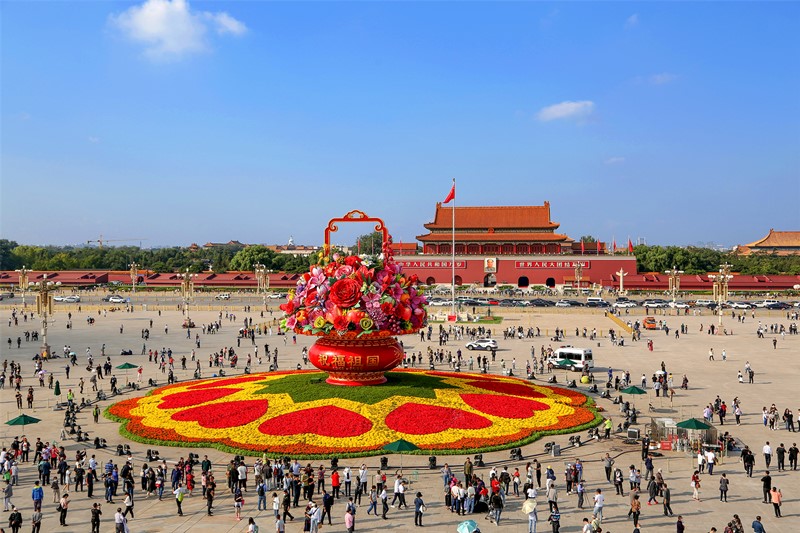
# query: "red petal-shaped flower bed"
[420,419]
[195,397]
[495,405]
[223,415]
[325,421]
[507,388]
[225,382]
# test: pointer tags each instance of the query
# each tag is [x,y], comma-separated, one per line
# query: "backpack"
[261,489]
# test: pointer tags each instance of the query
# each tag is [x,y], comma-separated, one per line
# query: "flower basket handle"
[355,216]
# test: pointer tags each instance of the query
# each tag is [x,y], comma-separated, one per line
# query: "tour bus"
[573,358]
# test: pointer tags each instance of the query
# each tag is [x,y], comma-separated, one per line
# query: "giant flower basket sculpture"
[357,305]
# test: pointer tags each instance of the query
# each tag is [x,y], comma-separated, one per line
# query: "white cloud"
[614,160]
[632,21]
[170,29]
[227,24]
[92,139]
[566,110]
[662,78]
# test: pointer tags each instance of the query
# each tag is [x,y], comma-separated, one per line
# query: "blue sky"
[185,122]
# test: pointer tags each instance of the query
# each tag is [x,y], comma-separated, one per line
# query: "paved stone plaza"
[775,371]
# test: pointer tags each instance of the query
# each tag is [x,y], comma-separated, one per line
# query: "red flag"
[451,195]
[630,246]
[583,248]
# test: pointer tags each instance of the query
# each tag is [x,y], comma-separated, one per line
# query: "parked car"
[764,303]
[71,299]
[655,304]
[779,306]
[277,295]
[738,305]
[625,304]
[482,344]
[117,299]
[679,305]
[6,295]
[223,296]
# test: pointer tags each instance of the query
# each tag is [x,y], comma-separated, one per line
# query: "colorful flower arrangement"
[467,413]
[356,295]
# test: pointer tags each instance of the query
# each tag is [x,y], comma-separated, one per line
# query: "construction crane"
[101,240]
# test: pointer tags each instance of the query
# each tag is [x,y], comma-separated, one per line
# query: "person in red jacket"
[335,483]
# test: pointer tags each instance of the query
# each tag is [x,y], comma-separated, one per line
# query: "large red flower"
[421,419]
[329,421]
[195,397]
[223,415]
[346,292]
[505,406]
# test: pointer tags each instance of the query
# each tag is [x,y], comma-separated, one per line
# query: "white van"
[764,303]
[703,303]
[572,358]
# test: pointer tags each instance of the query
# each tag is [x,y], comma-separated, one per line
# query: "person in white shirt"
[767,454]
[348,479]
[599,501]
[242,470]
[120,522]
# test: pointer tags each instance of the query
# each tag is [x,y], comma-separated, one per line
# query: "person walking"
[636,509]
[384,503]
[766,485]
[63,507]
[776,498]
[15,520]
[179,493]
[350,521]
[36,522]
[419,508]
[723,488]
[666,499]
[695,484]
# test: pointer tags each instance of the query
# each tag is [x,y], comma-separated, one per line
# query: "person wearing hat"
[419,508]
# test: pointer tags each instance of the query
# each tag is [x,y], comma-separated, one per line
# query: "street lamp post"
[721,288]
[134,276]
[674,281]
[44,307]
[262,277]
[23,282]
[621,275]
[187,292]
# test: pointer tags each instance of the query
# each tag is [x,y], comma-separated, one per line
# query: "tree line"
[692,260]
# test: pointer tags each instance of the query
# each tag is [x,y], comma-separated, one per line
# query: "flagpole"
[453,251]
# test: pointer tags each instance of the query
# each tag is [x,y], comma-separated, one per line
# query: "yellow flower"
[319,322]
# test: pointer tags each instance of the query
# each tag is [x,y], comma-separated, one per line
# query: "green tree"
[370,243]
[588,238]
[247,258]
[8,260]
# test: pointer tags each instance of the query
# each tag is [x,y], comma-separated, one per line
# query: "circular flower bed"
[296,413]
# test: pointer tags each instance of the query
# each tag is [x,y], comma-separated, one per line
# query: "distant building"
[495,230]
[236,244]
[776,242]
[509,245]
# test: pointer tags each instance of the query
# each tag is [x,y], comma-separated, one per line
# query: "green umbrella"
[633,389]
[468,526]
[22,420]
[126,367]
[400,446]
[693,423]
